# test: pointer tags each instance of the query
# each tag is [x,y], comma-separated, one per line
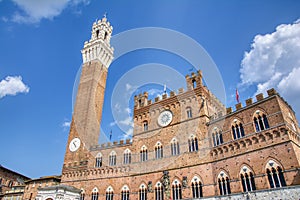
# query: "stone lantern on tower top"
[98,47]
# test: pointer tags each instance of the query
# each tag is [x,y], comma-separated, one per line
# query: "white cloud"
[128,86]
[127,122]
[66,124]
[127,134]
[274,61]
[33,11]
[112,123]
[12,85]
[289,88]
[4,19]
[155,93]
[130,89]
[117,107]
[128,111]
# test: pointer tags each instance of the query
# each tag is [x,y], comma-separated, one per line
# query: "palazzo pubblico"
[185,145]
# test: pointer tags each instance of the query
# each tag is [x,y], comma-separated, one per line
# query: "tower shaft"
[97,54]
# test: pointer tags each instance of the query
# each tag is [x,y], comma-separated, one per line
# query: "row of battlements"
[111,145]
[194,75]
[259,97]
[193,81]
[142,100]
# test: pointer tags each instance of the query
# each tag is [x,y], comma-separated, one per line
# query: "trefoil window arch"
[158,150]
[144,154]
[224,183]
[112,158]
[196,187]
[109,194]
[82,195]
[127,157]
[247,179]
[98,162]
[193,143]
[143,192]
[237,129]
[159,192]
[217,136]
[260,121]
[125,193]
[176,190]
[95,194]
[275,175]
[175,147]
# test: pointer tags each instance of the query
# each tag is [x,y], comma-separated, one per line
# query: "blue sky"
[40,56]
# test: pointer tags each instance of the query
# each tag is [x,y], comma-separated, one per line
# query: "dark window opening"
[194,84]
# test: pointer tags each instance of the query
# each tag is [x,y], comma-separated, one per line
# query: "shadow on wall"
[296,180]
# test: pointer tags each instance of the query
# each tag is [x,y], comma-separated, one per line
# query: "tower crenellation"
[194,80]
[141,100]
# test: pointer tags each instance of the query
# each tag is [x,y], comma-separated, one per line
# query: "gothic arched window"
[112,158]
[125,193]
[193,143]
[159,193]
[95,194]
[175,147]
[217,137]
[275,175]
[144,154]
[260,121]
[237,129]
[189,112]
[145,125]
[247,179]
[82,195]
[176,190]
[109,195]
[158,150]
[127,156]
[224,183]
[196,187]
[98,162]
[143,192]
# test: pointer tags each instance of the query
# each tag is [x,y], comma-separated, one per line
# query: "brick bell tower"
[97,55]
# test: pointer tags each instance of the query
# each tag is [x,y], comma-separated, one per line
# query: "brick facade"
[9,179]
[32,186]
[218,147]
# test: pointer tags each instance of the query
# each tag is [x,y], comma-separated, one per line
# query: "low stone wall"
[284,193]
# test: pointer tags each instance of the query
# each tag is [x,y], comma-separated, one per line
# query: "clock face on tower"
[74,144]
[165,118]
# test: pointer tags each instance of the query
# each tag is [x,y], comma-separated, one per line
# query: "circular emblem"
[165,118]
[74,144]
